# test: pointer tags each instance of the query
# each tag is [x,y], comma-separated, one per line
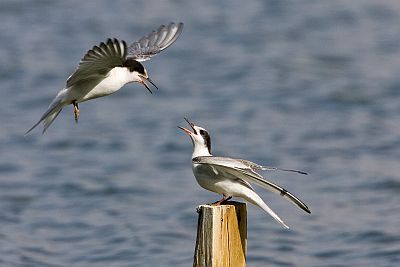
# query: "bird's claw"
[76,111]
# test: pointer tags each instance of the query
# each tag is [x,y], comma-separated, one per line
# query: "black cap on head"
[134,65]
[207,139]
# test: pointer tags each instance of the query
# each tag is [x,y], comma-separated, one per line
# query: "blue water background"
[312,85]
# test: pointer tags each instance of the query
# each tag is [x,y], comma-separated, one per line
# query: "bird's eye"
[202,132]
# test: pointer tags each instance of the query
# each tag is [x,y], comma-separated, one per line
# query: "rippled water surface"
[312,85]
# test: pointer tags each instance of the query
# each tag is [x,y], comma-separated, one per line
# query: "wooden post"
[221,236]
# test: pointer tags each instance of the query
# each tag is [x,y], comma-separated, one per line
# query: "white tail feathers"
[50,118]
[52,111]
[47,118]
[256,200]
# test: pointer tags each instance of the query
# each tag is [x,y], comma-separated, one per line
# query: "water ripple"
[311,85]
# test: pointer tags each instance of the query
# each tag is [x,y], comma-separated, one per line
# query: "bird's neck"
[123,75]
[200,151]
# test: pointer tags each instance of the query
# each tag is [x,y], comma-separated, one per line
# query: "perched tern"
[232,177]
[107,67]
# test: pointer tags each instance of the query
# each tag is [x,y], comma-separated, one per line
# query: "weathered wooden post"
[221,235]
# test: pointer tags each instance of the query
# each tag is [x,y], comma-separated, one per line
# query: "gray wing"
[98,61]
[258,179]
[215,172]
[228,162]
[242,170]
[155,42]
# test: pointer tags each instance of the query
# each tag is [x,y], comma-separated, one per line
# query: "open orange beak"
[145,85]
[186,130]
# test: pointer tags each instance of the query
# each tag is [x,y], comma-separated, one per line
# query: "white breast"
[114,80]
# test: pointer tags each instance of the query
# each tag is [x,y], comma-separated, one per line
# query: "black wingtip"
[308,211]
[296,171]
[304,207]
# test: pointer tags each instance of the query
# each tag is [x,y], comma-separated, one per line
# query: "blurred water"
[312,85]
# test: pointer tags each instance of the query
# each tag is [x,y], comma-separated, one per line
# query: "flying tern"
[107,67]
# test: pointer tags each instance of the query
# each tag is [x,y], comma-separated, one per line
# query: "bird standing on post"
[232,177]
[107,67]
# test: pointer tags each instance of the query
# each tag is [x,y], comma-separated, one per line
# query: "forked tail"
[48,117]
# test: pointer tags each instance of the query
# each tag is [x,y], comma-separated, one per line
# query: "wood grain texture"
[221,236]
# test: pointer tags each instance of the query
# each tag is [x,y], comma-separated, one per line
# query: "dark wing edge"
[156,41]
[259,180]
[99,60]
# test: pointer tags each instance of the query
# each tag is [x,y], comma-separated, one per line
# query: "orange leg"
[76,110]
[222,201]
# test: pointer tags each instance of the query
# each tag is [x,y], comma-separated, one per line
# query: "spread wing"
[242,170]
[154,42]
[98,61]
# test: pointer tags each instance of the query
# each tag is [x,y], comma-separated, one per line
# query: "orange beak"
[186,130]
[143,79]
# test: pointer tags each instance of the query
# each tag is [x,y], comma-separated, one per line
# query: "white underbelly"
[104,88]
[114,80]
